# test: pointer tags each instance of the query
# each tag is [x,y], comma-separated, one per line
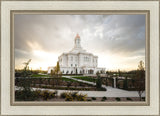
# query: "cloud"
[122,35]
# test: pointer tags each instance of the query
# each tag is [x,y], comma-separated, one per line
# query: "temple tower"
[77,41]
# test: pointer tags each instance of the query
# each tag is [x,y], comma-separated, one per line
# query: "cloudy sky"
[117,40]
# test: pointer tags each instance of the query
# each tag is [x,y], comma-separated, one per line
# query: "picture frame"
[9,8]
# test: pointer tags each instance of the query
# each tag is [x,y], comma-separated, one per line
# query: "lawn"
[85,78]
[39,75]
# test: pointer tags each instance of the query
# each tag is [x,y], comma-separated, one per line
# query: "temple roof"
[78,50]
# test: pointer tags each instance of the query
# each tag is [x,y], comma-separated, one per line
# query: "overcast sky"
[117,40]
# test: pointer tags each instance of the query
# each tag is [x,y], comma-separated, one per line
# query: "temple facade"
[78,61]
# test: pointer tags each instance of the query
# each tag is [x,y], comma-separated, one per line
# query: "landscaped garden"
[57,83]
[40,86]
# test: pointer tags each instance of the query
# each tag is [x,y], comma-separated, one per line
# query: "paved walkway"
[111,92]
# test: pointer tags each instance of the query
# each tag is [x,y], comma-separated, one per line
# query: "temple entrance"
[90,71]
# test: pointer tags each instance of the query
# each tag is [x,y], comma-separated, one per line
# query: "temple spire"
[77,41]
[77,36]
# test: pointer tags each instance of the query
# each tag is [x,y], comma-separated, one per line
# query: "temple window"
[75,58]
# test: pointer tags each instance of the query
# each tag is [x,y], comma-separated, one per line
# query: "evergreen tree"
[99,81]
[57,71]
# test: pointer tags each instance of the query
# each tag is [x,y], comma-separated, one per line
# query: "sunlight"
[44,60]
[115,62]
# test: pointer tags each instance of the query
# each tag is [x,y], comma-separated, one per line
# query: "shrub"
[118,99]
[51,95]
[37,92]
[93,98]
[143,98]
[69,98]
[89,100]
[23,95]
[81,97]
[63,95]
[74,95]
[129,99]
[45,95]
[69,84]
[80,84]
[19,95]
[104,98]
[56,93]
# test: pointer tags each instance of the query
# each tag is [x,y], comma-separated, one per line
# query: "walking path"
[111,92]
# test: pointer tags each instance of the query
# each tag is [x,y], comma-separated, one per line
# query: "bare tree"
[140,79]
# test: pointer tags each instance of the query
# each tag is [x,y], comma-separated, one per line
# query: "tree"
[26,71]
[26,82]
[57,68]
[119,73]
[125,83]
[52,73]
[99,81]
[57,71]
[140,79]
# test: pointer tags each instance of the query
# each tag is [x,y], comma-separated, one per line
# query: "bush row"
[22,95]
[73,96]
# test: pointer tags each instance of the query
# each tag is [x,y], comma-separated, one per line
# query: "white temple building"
[78,61]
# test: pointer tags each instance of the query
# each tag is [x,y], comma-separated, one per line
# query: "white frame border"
[152,6]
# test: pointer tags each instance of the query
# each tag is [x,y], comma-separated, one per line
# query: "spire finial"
[77,36]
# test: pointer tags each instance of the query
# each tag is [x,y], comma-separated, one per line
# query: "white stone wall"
[64,60]
[79,70]
[72,60]
[72,70]
[86,60]
[78,60]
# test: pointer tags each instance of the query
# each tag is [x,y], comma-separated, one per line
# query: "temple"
[78,60]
